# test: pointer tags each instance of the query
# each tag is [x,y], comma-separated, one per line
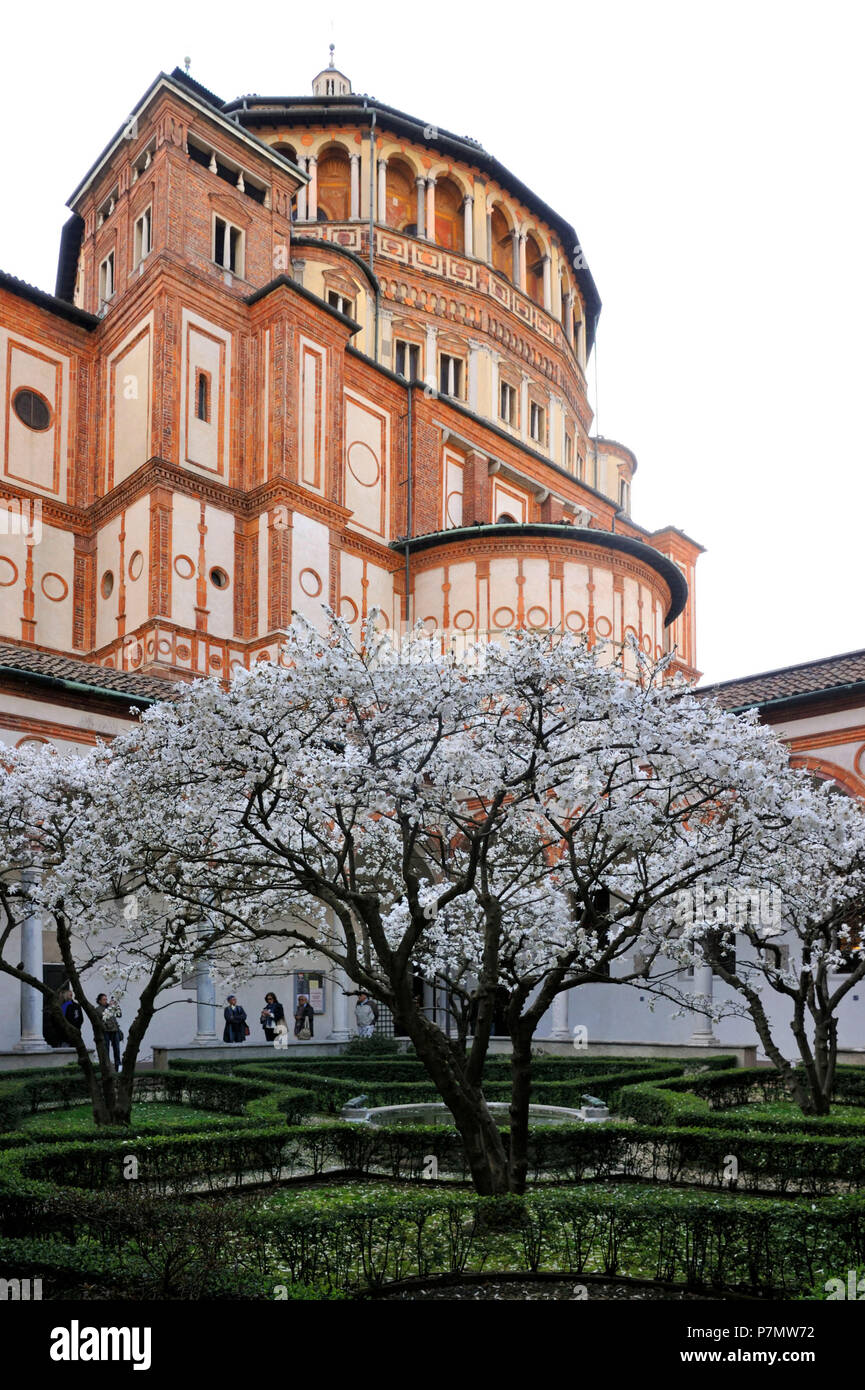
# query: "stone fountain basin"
[436,1113]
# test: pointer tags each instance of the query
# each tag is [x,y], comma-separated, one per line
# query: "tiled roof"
[67,668]
[789,682]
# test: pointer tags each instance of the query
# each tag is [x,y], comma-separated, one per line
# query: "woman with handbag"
[236,1029]
[271,1015]
[303,1019]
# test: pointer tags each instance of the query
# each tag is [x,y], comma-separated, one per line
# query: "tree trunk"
[482,1140]
[521,1090]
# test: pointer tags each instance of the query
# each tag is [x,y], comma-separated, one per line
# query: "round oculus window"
[32,409]
[107,585]
[219,579]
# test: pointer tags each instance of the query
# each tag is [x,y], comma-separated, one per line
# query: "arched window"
[400,197]
[506,516]
[334,186]
[502,248]
[450,226]
[287,151]
[534,270]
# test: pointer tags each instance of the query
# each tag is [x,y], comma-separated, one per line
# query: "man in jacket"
[235,1021]
[366,1014]
[109,1012]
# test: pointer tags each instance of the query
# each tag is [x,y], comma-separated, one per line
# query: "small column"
[560,1029]
[524,408]
[569,317]
[339,984]
[420,185]
[468,225]
[495,359]
[312,191]
[522,260]
[205,1003]
[31,1039]
[474,350]
[354,161]
[301,192]
[431,374]
[703,985]
[489,256]
[548,284]
[515,246]
[430,209]
[382,190]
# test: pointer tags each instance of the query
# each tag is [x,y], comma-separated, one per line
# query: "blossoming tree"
[509,823]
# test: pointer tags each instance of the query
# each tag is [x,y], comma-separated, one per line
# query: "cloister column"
[468,225]
[515,242]
[354,161]
[431,209]
[522,258]
[302,191]
[560,1029]
[340,1030]
[205,1003]
[312,190]
[489,246]
[703,984]
[420,185]
[382,190]
[31,1039]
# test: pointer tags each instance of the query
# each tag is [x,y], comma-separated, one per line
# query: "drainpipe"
[409,519]
[372,225]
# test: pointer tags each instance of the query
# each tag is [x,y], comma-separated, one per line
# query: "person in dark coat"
[235,1021]
[271,1014]
[304,1015]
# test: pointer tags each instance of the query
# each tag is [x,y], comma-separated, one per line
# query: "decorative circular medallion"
[8,572]
[54,586]
[603,626]
[504,617]
[537,617]
[348,609]
[107,585]
[136,564]
[574,621]
[183,566]
[310,582]
[464,620]
[363,464]
[183,652]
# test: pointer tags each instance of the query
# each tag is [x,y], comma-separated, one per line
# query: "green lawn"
[147,1113]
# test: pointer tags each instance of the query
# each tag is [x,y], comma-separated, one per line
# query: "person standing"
[109,1012]
[366,1014]
[71,1009]
[272,1014]
[304,1016]
[235,1029]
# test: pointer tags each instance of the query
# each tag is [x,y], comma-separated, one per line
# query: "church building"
[304,351]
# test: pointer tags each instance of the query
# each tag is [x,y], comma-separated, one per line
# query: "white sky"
[710,158]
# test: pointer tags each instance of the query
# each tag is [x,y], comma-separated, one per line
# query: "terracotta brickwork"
[225,448]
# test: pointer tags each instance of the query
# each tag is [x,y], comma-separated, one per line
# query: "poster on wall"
[310,983]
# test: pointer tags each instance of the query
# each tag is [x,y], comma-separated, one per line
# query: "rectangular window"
[569,450]
[228,246]
[450,375]
[537,422]
[106,279]
[507,402]
[406,360]
[624,495]
[341,302]
[142,237]
[202,396]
